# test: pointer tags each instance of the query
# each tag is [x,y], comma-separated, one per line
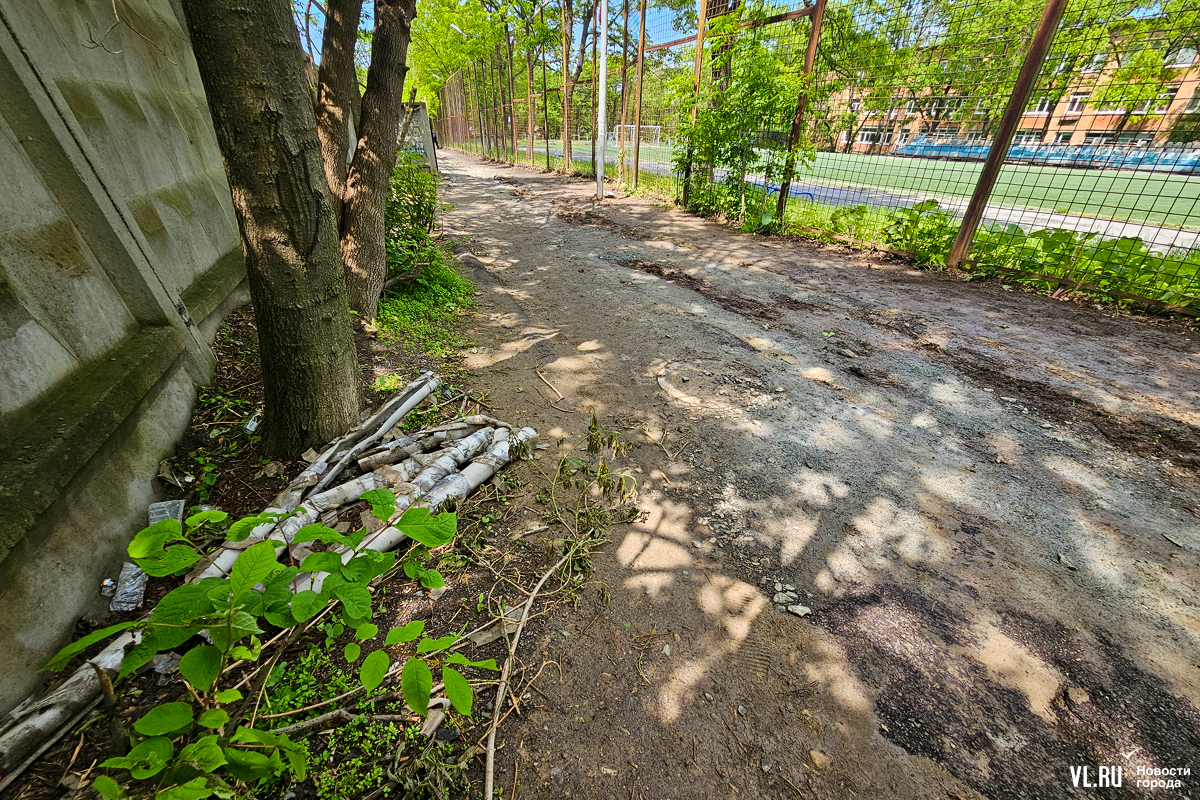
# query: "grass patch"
[425,314]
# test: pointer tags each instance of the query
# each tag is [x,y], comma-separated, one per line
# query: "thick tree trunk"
[371,171]
[337,86]
[252,67]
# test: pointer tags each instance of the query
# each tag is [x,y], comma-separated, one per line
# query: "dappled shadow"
[991,587]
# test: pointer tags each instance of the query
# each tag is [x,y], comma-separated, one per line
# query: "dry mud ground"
[988,499]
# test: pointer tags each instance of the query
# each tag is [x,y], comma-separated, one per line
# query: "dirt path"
[987,499]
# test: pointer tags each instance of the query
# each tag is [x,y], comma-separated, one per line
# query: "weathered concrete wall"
[119,256]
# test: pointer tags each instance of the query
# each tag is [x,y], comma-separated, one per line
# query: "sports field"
[1160,198]
[1152,197]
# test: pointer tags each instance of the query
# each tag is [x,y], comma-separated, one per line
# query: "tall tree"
[337,88]
[252,67]
[371,170]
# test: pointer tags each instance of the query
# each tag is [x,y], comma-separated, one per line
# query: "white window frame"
[1044,106]
[1181,57]
[1077,103]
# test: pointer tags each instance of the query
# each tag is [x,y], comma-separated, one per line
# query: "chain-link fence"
[1057,140]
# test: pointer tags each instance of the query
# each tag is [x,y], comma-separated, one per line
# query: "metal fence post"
[817,17]
[687,170]
[637,107]
[1017,102]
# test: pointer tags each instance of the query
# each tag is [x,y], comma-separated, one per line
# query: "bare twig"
[542,378]
[489,775]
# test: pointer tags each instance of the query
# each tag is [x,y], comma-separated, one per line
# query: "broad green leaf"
[352,652]
[459,658]
[254,564]
[432,579]
[149,541]
[366,631]
[318,533]
[373,670]
[280,618]
[195,789]
[406,634]
[241,530]
[255,735]
[107,788]
[358,570]
[184,603]
[201,666]
[228,696]
[458,691]
[168,637]
[421,526]
[64,656]
[150,757]
[297,756]
[357,601]
[305,605]
[166,719]
[354,538]
[416,681]
[431,645]
[213,718]
[212,515]
[250,766]
[321,562]
[137,656]
[173,559]
[382,502]
[380,562]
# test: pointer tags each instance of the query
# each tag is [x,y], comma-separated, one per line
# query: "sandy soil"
[988,500]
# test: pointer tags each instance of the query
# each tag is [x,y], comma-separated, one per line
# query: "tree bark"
[371,171]
[252,67]
[337,86]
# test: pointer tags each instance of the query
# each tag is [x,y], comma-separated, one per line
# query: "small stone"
[789,587]
[766,764]
[771,460]
[712,540]
[779,587]
[667,650]
[1077,696]
[696,544]
[566,634]
[782,599]
[686,379]
[819,759]
[808,464]
[685,573]
[741,711]
[779,389]
[708,696]
[800,611]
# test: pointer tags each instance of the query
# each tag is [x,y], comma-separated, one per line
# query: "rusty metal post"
[702,23]
[810,57]
[1008,126]
[637,107]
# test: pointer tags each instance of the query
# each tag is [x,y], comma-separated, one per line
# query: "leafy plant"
[189,749]
[925,232]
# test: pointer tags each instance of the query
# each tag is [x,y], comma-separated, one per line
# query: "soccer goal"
[651,134]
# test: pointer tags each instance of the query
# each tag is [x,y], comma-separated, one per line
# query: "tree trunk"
[252,67]
[371,171]
[337,84]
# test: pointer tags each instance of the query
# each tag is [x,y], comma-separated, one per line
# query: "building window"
[1193,106]
[874,136]
[1076,103]
[1063,138]
[910,107]
[855,105]
[1159,105]
[904,137]
[1027,137]
[1180,57]
[1098,138]
[1042,106]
